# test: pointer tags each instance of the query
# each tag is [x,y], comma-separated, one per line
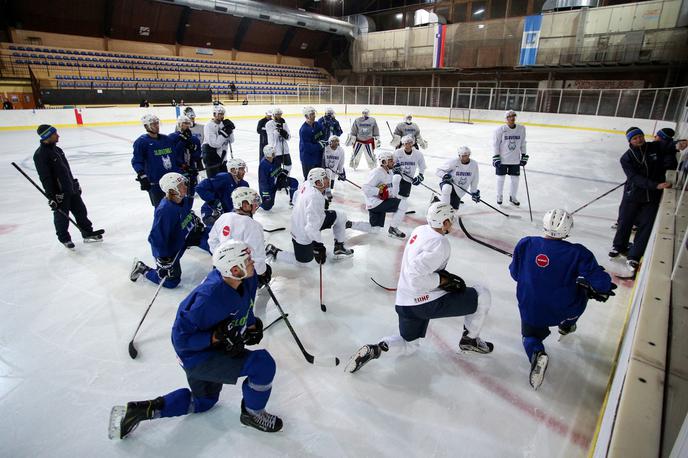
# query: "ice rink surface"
[67,316]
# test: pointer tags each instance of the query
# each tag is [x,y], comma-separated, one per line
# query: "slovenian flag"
[440,37]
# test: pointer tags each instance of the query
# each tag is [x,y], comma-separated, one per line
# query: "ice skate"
[137,269]
[93,237]
[262,420]
[499,200]
[69,245]
[125,419]
[476,345]
[566,330]
[365,354]
[514,201]
[538,366]
[395,233]
[271,251]
[340,251]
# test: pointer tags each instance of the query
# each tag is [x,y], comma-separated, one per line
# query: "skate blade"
[343,256]
[538,375]
[93,240]
[116,416]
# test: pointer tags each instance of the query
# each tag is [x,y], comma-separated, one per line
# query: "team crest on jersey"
[167,162]
[413,239]
[225,231]
[542,260]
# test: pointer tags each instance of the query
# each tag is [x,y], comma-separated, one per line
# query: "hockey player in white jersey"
[408,127]
[309,218]
[509,148]
[407,160]
[426,291]
[278,137]
[382,197]
[365,135]
[457,173]
[218,133]
[333,158]
[240,225]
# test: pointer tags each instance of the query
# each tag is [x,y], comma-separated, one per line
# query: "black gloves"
[55,202]
[143,180]
[227,128]
[591,293]
[266,277]
[319,253]
[254,336]
[229,339]
[77,187]
[164,266]
[451,282]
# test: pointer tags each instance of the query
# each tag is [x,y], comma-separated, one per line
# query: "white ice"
[67,317]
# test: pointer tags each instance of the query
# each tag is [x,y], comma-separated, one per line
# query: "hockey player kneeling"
[554,280]
[427,291]
[213,326]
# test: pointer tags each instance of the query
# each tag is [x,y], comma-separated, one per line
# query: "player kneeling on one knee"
[382,197]
[213,326]
[407,160]
[175,228]
[554,280]
[426,291]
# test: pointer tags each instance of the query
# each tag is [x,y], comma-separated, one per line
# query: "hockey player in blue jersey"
[312,141]
[153,157]
[272,178]
[175,228]
[213,325]
[330,124]
[555,279]
[187,147]
[216,191]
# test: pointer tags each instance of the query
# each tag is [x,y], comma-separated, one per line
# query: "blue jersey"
[267,177]
[171,224]
[310,149]
[209,304]
[217,191]
[155,157]
[188,152]
[546,271]
[330,126]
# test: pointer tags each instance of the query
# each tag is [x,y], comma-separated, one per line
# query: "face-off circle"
[542,260]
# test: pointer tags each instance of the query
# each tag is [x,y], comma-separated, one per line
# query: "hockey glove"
[319,253]
[496,160]
[283,133]
[143,180]
[55,202]
[342,176]
[254,336]
[524,159]
[229,339]
[476,196]
[451,282]
[593,294]
[397,168]
[322,143]
[447,179]
[418,179]
[266,277]
[227,128]
[383,192]
[185,135]
[164,266]
[77,187]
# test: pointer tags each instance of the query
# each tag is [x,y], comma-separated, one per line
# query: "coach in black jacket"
[62,189]
[645,178]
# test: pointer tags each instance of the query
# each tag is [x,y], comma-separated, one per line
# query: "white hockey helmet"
[236,163]
[277,111]
[408,139]
[268,113]
[149,119]
[557,223]
[218,109]
[243,194]
[183,119]
[269,151]
[308,111]
[232,253]
[365,112]
[329,111]
[190,112]
[332,139]
[509,113]
[464,151]
[317,174]
[171,181]
[408,118]
[384,155]
[438,213]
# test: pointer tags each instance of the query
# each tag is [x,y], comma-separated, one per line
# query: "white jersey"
[426,252]
[275,139]
[409,163]
[333,159]
[212,137]
[509,143]
[464,175]
[378,176]
[404,128]
[365,128]
[197,131]
[240,227]
[308,214]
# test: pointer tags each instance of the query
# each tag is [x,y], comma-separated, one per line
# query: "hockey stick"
[322,304]
[493,208]
[410,212]
[277,229]
[231,152]
[390,129]
[274,322]
[422,184]
[470,237]
[345,179]
[598,198]
[59,210]
[525,178]
[383,287]
[328,361]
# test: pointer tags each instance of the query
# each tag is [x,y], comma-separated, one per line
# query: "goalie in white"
[408,127]
[365,135]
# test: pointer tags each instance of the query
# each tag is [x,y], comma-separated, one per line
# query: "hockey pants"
[376,215]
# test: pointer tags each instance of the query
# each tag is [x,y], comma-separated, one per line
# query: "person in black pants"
[62,189]
[263,133]
[645,178]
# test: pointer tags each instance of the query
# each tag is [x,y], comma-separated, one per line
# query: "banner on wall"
[531,38]
[438,52]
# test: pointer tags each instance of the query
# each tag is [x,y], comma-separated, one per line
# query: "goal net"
[462,115]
